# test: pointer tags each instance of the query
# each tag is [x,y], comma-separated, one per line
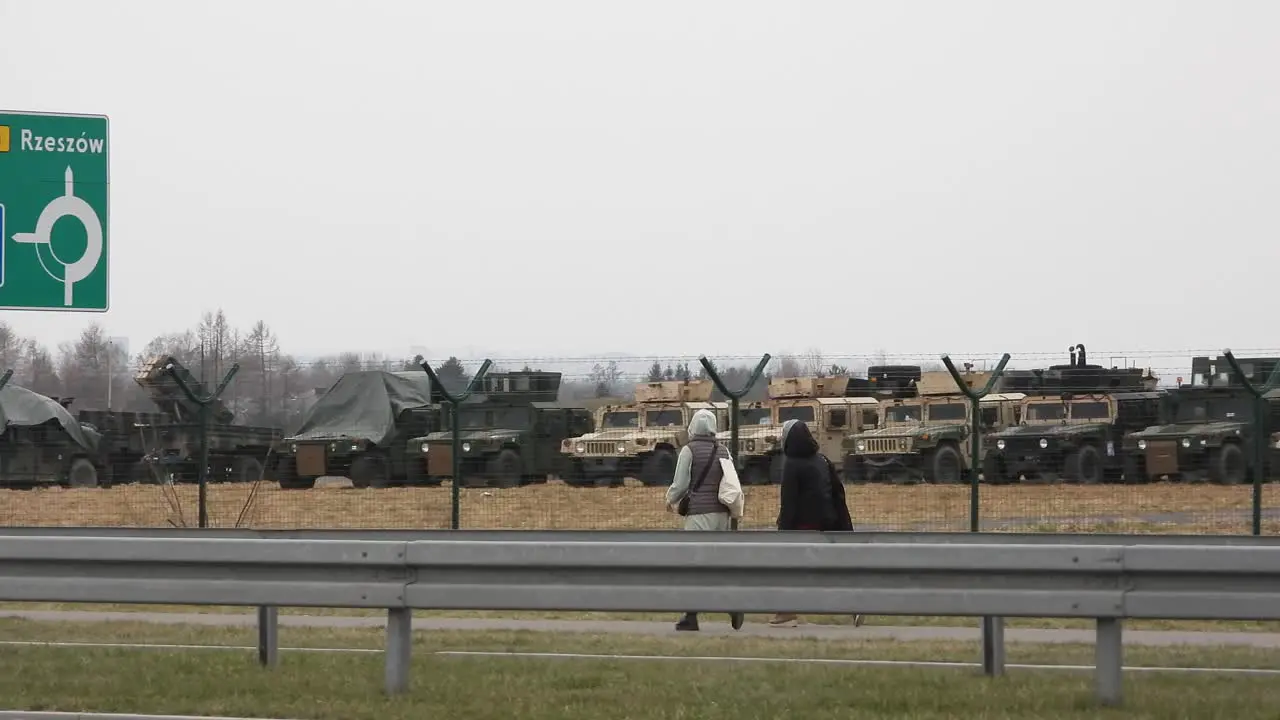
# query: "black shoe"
[688,622]
[736,620]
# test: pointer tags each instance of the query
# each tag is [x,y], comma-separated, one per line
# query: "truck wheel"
[776,461]
[854,473]
[993,471]
[756,473]
[574,474]
[369,471]
[505,469]
[1084,466]
[245,469]
[1135,469]
[944,466]
[82,474]
[1227,465]
[659,468]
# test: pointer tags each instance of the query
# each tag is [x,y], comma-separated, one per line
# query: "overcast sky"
[574,178]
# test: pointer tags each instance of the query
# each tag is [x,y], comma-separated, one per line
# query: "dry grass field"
[1064,508]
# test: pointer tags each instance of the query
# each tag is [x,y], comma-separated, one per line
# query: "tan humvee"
[640,439]
[820,403]
[926,437]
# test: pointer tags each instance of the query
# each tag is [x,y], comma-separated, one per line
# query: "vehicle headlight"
[425,447]
[466,447]
[1186,442]
[581,448]
[1204,442]
[293,448]
[751,446]
[1142,444]
[999,444]
[1044,443]
[354,447]
[862,446]
[622,447]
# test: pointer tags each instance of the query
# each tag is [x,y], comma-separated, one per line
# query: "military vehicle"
[639,439]
[512,432]
[1206,429]
[925,437]
[830,406]
[165,445]
[1072,423]
[367,427]
[42,443]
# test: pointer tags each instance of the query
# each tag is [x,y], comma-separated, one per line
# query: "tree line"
[274,388]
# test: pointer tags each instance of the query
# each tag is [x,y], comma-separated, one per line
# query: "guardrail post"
[268,636]
[399,644]
[455,520]
[992,627]
[1261,439]
[734,397]
[1109,661]
[204,402]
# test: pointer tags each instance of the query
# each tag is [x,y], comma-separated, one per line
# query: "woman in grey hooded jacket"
[698,475]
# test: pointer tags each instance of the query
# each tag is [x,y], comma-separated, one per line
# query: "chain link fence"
[1051,457]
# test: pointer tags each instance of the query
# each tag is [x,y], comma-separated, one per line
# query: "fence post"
[992,627]
[4,379]
[734,396]
[975,429]
[202,475]
[1261,438]
[454,401]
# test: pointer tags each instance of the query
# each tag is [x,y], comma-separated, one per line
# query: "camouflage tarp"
[20,407]
[365,405]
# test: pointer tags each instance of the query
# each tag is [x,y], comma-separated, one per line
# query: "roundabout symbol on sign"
[60,207]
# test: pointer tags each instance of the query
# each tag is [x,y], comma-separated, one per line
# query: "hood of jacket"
[703,424]
[797,441]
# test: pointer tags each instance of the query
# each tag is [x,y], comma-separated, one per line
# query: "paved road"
[712,624]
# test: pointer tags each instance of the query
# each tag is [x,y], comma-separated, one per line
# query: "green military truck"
[1073,422]
[512,432]
[639,439]
[1206,429]
[925,437]
[830,406]
[164,446]
[367,427]
[43,444]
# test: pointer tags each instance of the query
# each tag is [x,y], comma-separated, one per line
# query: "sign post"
[54,197]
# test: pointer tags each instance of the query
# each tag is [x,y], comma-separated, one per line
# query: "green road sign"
[54,190]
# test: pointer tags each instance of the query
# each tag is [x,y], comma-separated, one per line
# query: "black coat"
[812,494]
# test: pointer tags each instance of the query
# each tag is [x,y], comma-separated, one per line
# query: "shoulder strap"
[715,458]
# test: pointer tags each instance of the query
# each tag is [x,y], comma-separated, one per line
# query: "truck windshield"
[1046,412]
[621,420]
[803,413]
[949,411]
[1091,410]
[755,416]
[1212,409]
[663,418]
[903,414]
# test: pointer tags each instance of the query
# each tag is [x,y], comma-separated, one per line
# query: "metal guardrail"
[1105,582]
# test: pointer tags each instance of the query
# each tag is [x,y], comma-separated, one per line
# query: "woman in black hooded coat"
[812,494]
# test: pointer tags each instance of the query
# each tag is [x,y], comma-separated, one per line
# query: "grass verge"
[880,620]
[324,685]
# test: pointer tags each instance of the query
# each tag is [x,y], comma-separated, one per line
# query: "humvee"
[512,430]
[926,437]
[1073,422]
[639,439]
[42,443]
[362,429]
[824,404]
[1206,429]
